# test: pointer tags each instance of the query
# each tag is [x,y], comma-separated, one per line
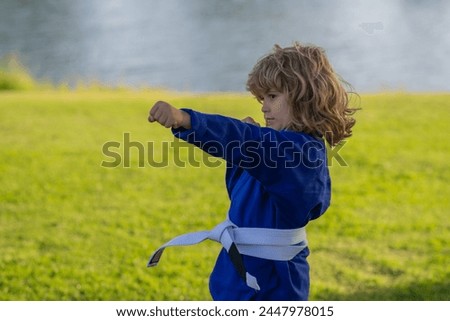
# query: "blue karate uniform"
[275,179]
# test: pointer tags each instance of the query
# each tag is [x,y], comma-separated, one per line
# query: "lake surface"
[207,45]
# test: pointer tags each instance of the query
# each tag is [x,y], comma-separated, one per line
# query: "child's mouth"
[269,121]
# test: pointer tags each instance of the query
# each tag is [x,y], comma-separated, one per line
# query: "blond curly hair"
[316,94]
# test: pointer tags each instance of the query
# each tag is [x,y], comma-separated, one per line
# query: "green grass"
[71,229]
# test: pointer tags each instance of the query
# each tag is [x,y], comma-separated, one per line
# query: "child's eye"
[272,96]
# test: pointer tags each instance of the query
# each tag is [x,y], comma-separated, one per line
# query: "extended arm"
[290,165]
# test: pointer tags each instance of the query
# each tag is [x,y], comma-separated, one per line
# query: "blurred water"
[208,45]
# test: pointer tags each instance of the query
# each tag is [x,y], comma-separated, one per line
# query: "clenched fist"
[169,116]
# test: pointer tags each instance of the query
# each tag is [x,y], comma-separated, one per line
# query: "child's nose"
[265,107]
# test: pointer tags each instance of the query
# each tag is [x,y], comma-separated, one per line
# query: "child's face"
[276,110]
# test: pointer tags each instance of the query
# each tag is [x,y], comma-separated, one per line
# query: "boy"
[277,179]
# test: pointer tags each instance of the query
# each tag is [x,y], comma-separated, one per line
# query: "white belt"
[265,243]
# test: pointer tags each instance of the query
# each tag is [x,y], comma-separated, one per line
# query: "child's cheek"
[277,105]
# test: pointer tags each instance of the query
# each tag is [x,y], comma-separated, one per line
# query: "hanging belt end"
[151,264]
[251,281]
[154,259]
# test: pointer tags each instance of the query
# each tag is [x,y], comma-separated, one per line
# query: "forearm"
[186,120]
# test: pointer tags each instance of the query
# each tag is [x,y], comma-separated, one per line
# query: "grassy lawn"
[71,229]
